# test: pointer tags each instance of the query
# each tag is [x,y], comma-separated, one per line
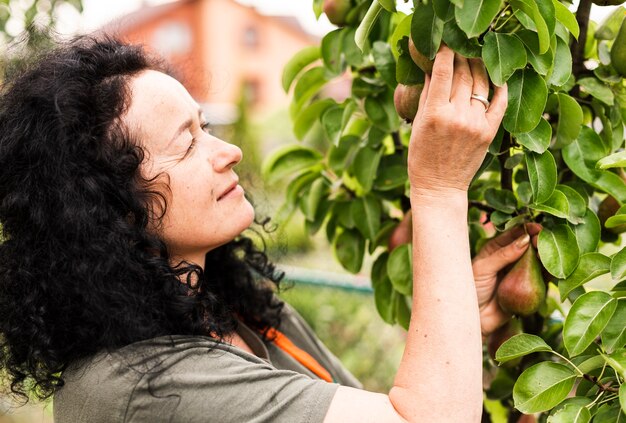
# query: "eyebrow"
[186,124]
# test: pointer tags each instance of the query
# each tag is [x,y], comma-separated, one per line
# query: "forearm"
[439,378]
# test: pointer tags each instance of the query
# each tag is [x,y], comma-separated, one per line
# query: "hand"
[451,132]
[498,253]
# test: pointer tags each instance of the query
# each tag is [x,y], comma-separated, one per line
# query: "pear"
[523,290]
[618,51]
[337,11]
[499,336]
[423,62]
[406,99]
[607,208]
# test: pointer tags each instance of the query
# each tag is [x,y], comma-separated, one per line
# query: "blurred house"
[219,49]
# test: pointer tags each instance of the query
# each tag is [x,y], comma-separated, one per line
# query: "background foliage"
[556,160]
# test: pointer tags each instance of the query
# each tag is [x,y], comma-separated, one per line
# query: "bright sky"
[98,12]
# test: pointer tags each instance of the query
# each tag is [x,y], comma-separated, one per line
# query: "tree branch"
[506,175]
[578,47]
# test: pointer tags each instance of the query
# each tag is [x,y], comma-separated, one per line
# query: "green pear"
[337,11]
[406,98]
[618,51]
[523,290]
[423,62]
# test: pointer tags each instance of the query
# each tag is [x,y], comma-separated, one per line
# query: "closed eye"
[206,127]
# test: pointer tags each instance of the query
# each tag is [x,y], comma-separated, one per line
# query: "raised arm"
[440,375]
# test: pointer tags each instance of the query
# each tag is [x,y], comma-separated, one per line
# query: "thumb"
[504,256]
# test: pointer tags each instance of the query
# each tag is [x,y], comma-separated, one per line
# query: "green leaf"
[570,120]
[288,160]
[527,93]
[588,232]
[567,18]
[365,165]
[614,160]
[476,15]
[597,89]
[381,112]
[332,56]
[389,5]
[562,66]
[541,62]
[307,117]
[614,334]
[399,269]
[608,413]
[618,265]
[426,30]
[310,203]
[530,8]
[385,62]
[519,346]
[297,63]
[366,25]
[382,289]
[558,250]
[331,122]
[537,140]
[501,199]
[577,204]
[402,30]
[557,205]
[542,387]
[349,248]
[366,213]
[402,311]
[588,316]
[591,266]
[617,220]
[542,174]
[581,157]
[617,361]
[571,413]
[503,54]
[455,38]
[443,9]
[307,86]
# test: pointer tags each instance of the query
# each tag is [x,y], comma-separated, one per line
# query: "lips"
[228,190]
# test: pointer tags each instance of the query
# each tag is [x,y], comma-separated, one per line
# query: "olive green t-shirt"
[195,379]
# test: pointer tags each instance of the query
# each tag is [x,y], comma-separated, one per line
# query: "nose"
[225,155]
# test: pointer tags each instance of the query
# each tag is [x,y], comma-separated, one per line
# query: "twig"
[578,47]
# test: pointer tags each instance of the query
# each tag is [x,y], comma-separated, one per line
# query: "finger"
[497,107]
[479,77]
[462,81]
[503,256]
[533,228]
[423,97]
[501,240]
[443,71]
[480,82]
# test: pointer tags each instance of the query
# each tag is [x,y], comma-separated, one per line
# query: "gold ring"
[482,100]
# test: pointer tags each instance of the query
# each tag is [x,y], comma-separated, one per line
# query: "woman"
[128,291]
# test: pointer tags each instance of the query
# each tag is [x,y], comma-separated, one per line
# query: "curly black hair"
[79,271]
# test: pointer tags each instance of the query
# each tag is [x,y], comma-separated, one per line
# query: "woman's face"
[205,206]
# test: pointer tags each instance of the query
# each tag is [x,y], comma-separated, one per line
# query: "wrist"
[446,197]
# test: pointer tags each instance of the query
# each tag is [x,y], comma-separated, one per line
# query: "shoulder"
[181,378]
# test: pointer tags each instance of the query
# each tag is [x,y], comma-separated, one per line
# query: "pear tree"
[558,160]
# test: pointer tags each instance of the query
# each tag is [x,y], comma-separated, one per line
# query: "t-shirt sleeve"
[226,385]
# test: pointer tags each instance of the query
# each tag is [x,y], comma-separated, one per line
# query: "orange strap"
[299,355]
